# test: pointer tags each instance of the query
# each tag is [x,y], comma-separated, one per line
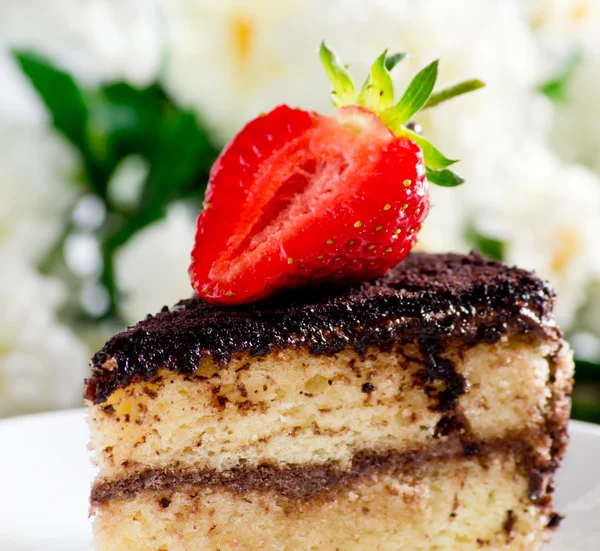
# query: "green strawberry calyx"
[377,94]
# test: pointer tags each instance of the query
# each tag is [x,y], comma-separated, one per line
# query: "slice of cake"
[424,410]
[317,395]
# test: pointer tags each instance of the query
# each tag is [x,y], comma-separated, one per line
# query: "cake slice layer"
[291,408]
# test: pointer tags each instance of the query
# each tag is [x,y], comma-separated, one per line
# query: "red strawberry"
[298,198]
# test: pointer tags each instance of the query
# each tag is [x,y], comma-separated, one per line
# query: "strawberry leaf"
[444,177]
[377,92]
[433,157]
[414,98]
[392,60]
[343,92]
[453,91]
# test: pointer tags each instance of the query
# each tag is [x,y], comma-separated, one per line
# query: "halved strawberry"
[298,198]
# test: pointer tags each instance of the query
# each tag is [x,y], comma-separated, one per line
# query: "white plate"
[45,475]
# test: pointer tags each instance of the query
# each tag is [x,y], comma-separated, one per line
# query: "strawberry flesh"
[298,198]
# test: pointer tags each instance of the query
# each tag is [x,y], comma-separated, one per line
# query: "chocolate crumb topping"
[367,388]
[555,520]
[509,525]
[425,299]
[164,502]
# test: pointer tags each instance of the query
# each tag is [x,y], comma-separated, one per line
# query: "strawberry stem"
[377,94]
[453,91]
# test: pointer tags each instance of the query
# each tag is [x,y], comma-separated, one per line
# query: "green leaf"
[67,104]
[60,94]
[453,91]
[183,153]
[344,92]
[179,154]
[587,371]
[108,124]
[433,158]
[556,88]
[377,93]
[586,392]
[124,120]
[414,98]
[444,178]
[487,245]
[392,60]
[175,146]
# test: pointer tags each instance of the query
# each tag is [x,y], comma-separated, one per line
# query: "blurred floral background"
[112,111]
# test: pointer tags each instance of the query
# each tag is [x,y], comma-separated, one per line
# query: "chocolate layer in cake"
[309,481]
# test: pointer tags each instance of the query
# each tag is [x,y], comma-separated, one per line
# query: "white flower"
[563,23]
[231,61]
[487,127]
[576,136]
[36,188]
[549,217]
[42,363]
[570,28]
[95,39]
[152,267]
[546,212]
